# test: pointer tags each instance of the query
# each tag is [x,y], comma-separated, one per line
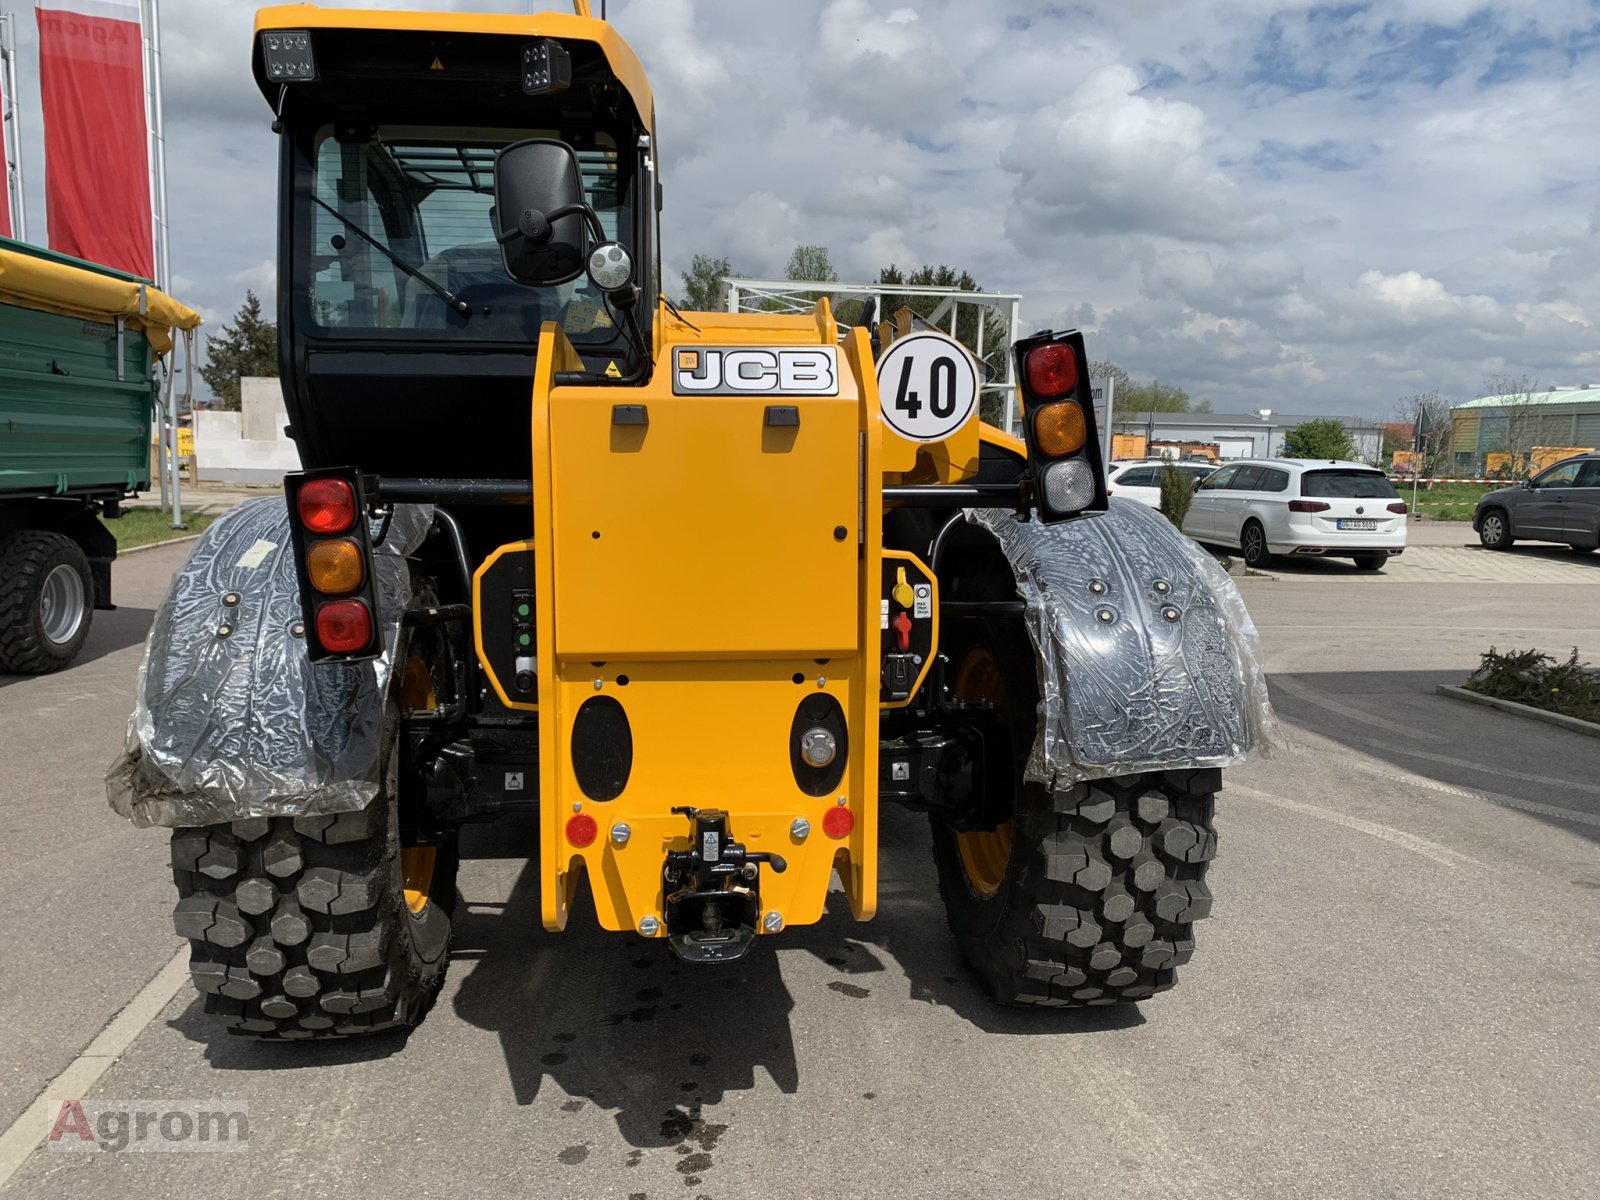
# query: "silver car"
[1303,507]
[1560,504]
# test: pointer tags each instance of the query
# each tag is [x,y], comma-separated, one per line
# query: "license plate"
[1346,523]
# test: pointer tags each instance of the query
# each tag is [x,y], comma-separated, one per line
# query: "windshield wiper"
[438,289]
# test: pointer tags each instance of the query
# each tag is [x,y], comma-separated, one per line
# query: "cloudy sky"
[1308,208]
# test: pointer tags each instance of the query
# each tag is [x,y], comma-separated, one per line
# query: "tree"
[702,284]
[1203,407]
[1420,422]
[247,347]
[992,363]
[1177,492]
[1326,437]
[1519,402]
[1152,397]
[811,263]
[1110,370]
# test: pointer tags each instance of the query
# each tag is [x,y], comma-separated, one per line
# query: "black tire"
[1581,548]
[1104,879]
[1371,562]
[299,929]
[46,601]
[1494,529]
[1253,545]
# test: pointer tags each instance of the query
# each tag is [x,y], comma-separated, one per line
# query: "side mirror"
[1528,485]
[540,215]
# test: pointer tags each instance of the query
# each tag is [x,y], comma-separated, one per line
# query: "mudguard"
[1148,660]
[230,719]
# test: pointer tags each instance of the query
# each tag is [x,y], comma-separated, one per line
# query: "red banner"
[96,143]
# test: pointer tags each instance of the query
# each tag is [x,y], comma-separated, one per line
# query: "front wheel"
[1253,545]
[1494,530]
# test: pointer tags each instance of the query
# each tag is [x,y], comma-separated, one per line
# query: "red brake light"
[1399,506]
[327,505]
[1309,506]
[344,626]
[582,829]
[1052,370]
[838,822]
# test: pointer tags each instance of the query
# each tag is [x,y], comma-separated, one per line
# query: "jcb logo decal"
[752,371]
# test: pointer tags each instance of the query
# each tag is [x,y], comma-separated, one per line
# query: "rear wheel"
[1085,895]
[1583,548]
[1370,562]
[314,926]
[1253,544]
[46,601]
[1494,530]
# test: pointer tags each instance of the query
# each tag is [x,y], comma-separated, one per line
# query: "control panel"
[909,627]
[504,622]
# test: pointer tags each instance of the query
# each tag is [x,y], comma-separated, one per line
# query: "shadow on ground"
[109,631]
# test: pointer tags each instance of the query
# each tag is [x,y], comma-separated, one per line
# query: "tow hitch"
[713,893]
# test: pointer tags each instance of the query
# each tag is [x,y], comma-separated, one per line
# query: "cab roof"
[564,27]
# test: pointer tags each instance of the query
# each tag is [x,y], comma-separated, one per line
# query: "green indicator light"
[523,610]
[524,639]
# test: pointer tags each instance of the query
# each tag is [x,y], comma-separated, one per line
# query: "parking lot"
[1395,996]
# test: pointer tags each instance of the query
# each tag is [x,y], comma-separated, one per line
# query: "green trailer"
[79,384]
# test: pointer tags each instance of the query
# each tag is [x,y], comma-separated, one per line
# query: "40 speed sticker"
[927,386]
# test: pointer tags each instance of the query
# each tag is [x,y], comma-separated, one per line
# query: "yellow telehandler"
[701,590]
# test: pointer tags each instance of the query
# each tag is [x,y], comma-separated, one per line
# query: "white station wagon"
[1302,507]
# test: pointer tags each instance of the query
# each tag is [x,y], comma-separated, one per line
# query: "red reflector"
[582,829]
[327,505]
[838,822]
[1398,506]
[1052,370]
[1309,506]
[344,626]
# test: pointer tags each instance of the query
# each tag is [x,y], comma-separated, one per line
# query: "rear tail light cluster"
[333,557]
[1399,506]
[1063,451]
[1309,506]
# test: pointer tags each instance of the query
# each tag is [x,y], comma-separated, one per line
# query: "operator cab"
[402,335]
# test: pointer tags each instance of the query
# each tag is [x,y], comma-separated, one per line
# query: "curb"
[193,537]
[1575,724]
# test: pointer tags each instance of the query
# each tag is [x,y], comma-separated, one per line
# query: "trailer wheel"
[46,601]
[1087,895]
[314,927]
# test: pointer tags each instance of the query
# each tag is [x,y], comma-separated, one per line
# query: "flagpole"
[15,195]
[158,148]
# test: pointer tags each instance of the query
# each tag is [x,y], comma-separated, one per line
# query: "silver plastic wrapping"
[1148,660]
[230,718]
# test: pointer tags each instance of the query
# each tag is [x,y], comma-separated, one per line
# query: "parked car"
[1301,507]
[1560,504]
[1141,481]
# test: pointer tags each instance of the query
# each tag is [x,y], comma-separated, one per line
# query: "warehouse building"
[1518,434]
[1229,435]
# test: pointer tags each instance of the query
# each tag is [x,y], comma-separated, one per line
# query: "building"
[1242,435]
[249,446]
[1516,434]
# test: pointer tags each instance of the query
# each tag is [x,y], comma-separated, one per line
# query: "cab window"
[1247,480]
[1220,480]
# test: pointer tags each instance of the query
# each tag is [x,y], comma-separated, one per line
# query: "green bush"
[1534,678]
[1177,493]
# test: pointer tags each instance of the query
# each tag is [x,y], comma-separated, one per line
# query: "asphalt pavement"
[1395,996]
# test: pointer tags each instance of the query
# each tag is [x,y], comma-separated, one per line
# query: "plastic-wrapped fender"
[230,719]
[1148,660]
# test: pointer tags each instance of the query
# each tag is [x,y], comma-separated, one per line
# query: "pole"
[172,417]
[15,193]
[158,144]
